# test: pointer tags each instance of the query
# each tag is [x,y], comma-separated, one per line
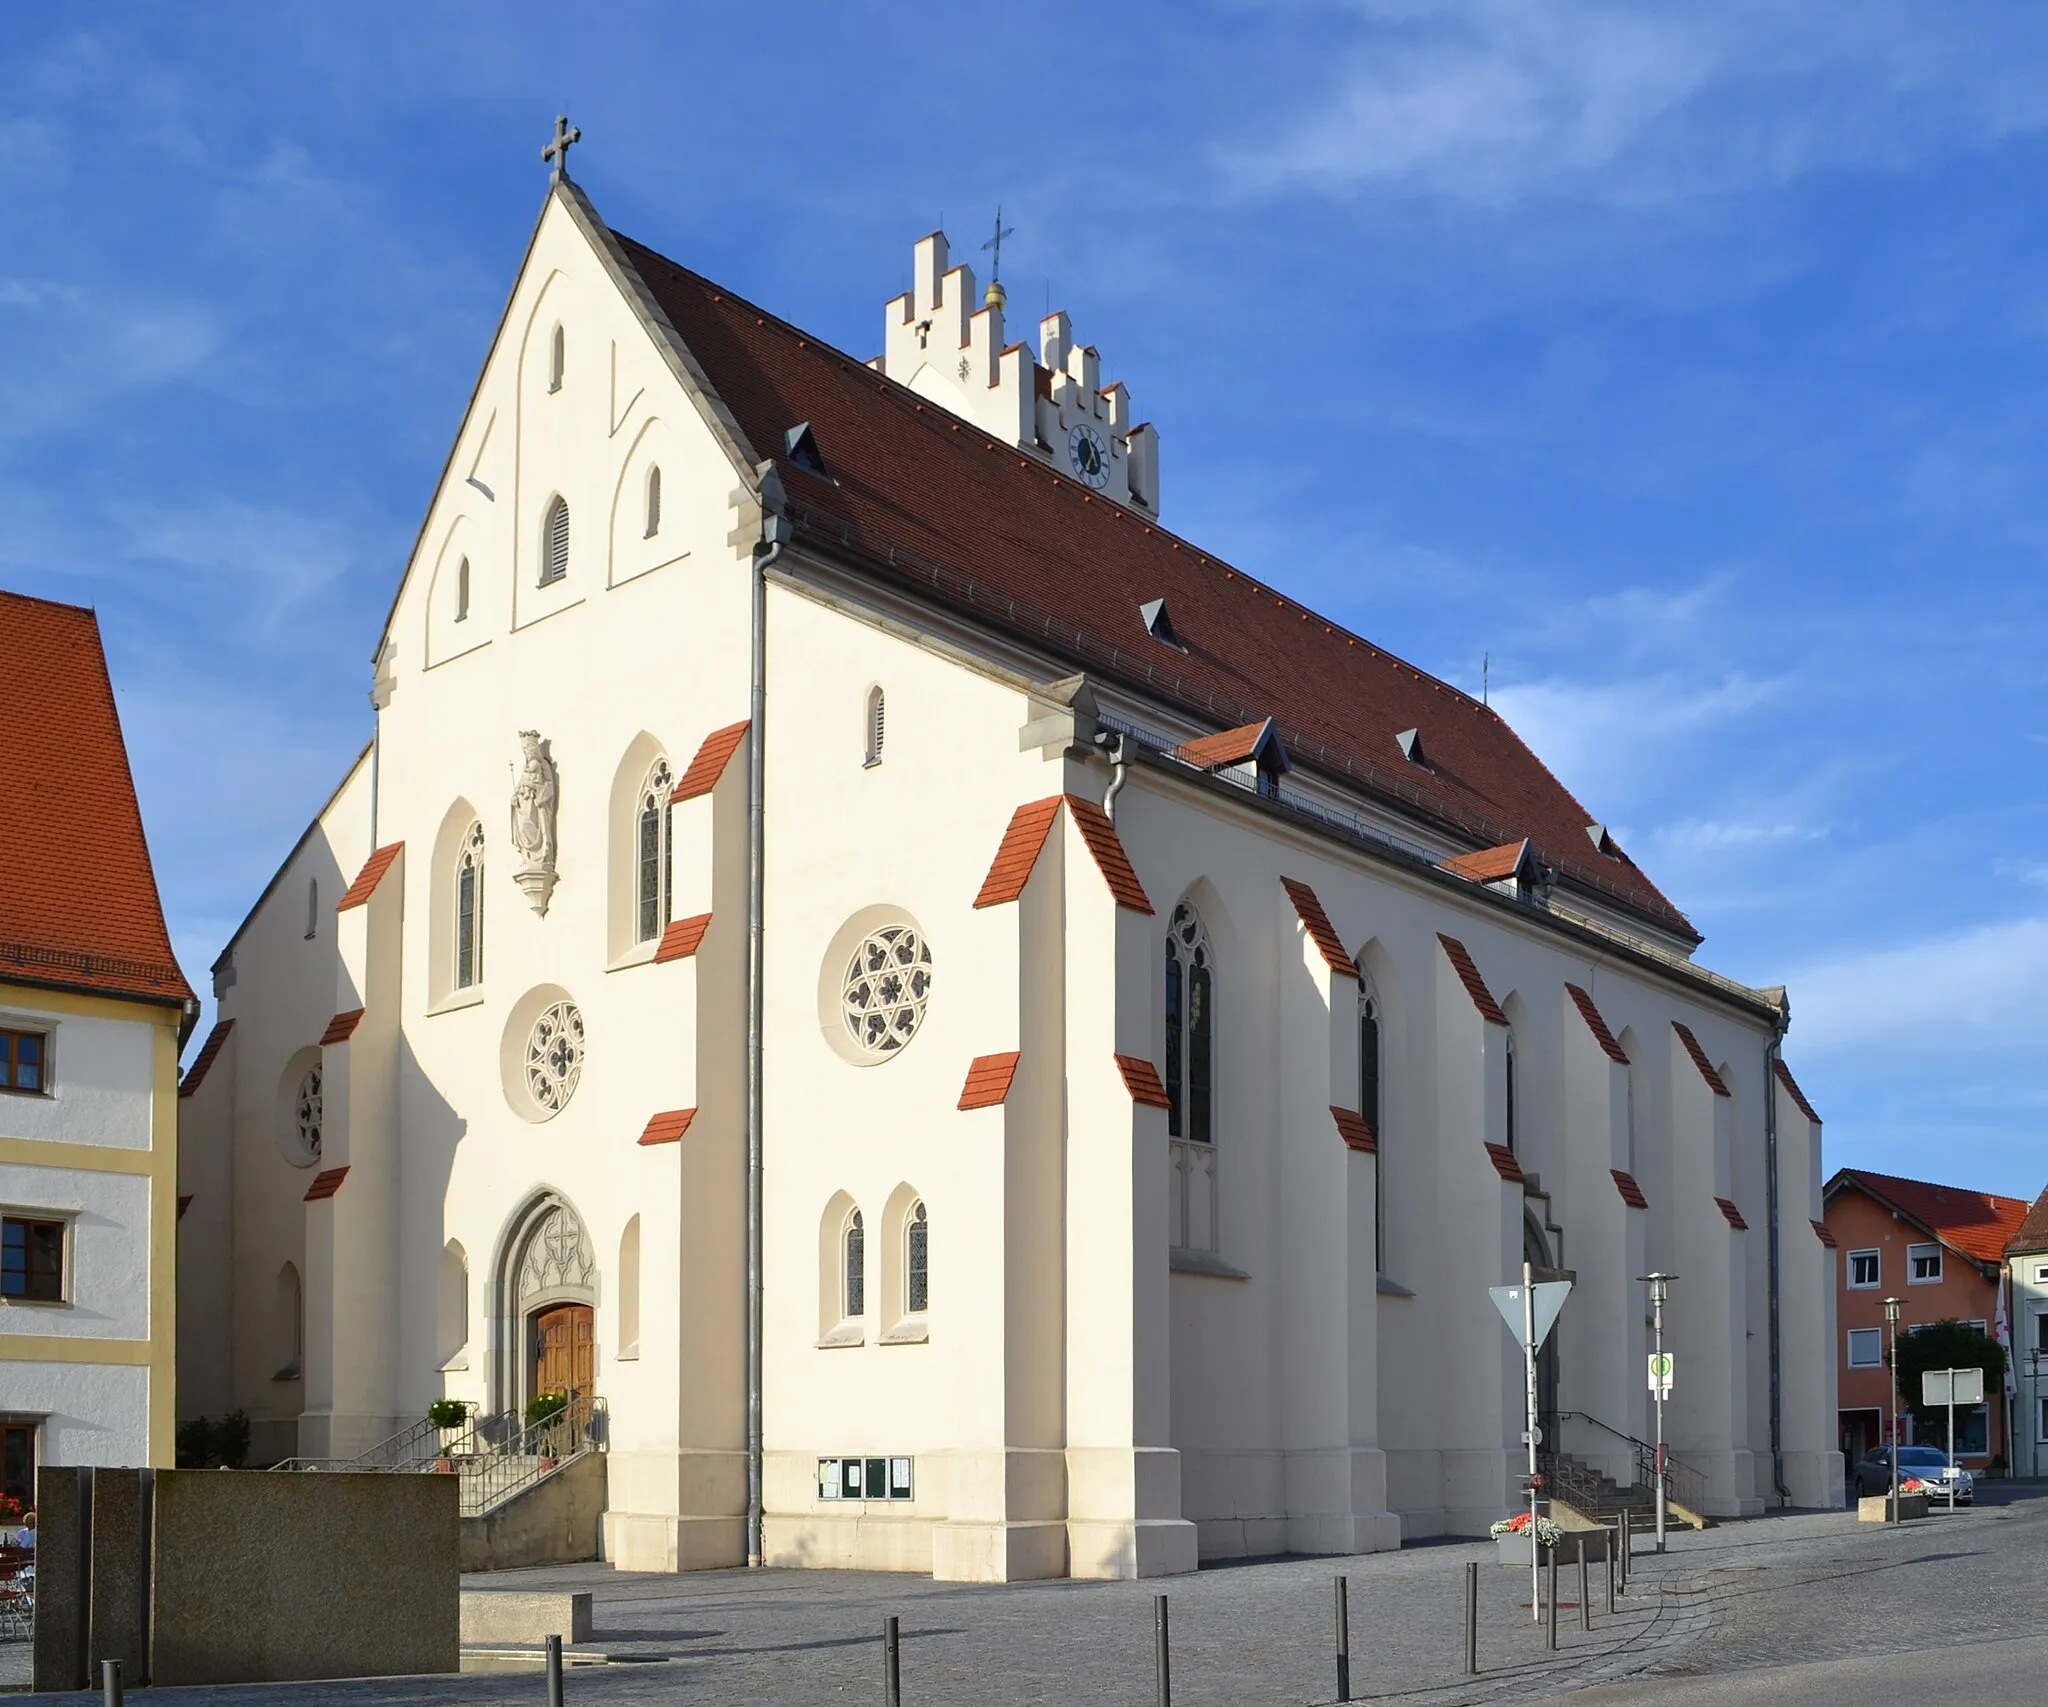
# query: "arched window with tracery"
[1190,1029]
[1370,1062]
[916,1262]
[469,910]
[1508,1055]
[854,1269]
[554,541]
[653,852]
[653,501]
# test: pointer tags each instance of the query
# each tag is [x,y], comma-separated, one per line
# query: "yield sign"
[1549,1295]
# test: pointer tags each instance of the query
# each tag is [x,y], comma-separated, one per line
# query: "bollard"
[1610,1572]
[1471,1620]
[554,1671]
[892,1663]
[1550,1617]
[110,1683]
[1343,1639]
[1162,1664]
[1627,1547]
[1585,1593]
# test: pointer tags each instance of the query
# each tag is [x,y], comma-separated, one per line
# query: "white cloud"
[1984,988]
[267,562]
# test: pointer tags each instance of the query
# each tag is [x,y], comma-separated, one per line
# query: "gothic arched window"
[916,1261]
[854,1269]
[1508,1054]
[877,713]
[462,591]
[1190,1029]
[469,910]
[1369,1101]
[652,852]
[558,353]
[554,541]
[653,501]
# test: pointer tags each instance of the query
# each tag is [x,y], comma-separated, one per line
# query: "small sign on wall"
[864,1479]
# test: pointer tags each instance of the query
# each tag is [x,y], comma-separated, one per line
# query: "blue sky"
[1690,362]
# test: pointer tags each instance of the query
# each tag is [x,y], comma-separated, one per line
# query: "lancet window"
[854,1269]
[916,1262]
[554,541]
[1190,1029]
[654,857]
[469,910]
[1370,1059]
[653,501]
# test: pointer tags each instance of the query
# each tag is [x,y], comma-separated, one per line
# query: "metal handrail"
[531,1453]
[412,1448]
[1683,1482]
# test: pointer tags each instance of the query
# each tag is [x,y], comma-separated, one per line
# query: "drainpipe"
[775,531]
[1771,1052]
[1113,746]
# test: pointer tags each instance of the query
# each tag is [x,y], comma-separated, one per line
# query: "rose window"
[306,1113]
[554,1057]
[888,983]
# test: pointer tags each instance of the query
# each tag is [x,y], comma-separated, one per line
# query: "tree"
[1945,1345]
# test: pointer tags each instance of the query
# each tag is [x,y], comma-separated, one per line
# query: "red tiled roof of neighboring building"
[1141,1079]
[988,1079]
[1231,747]
[682,938]
[1820,1229]
[1631,1193]
[926,503]
[325,1184]
[1699,1059]
[78,899]
[667,1127]
[1791,1084]
[1732,1215]
[1597,1025]
[1309,908]
[1976,1223]
[2033,1231]
[1488,865]
[1018,852]
[341,1027]
[195,1075]
[1351,1127]
[1108,848]
[1504,1163]
[369,877]
[1468,975]
[709,764]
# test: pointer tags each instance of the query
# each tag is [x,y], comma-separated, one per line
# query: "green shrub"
[544,1406]
[448,1413]
[204,1444]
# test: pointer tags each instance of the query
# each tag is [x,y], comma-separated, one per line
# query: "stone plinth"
[505,1615]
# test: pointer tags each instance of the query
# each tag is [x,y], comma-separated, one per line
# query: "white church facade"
[993,1042]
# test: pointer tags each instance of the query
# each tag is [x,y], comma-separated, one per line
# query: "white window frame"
[1876,1279]
[2041,1274]
[1914,1254]
[1849,1351]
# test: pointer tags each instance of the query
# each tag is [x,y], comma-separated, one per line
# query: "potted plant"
[450,1416]
[544,1408]
[1512,1534]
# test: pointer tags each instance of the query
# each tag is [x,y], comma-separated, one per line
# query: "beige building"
[994,1042]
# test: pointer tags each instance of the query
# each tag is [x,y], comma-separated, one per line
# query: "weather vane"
[997,296]
[558,151]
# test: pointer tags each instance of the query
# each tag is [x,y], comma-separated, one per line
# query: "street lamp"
[1892,1308]
[1660,1289]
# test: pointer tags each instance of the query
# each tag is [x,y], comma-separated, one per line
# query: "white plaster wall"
[93,1413]
[100,1081]
[109,1255]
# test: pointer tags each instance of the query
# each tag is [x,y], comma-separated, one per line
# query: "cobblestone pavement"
[1723,1612]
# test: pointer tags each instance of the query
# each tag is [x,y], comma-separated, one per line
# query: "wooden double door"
[564,1346]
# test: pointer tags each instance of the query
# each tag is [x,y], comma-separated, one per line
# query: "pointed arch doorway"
[547,1305]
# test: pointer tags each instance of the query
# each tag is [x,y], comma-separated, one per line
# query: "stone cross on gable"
[558,150]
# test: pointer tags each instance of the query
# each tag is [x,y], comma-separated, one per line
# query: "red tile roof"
[195,1075]
[682,938]
[668,1128]
[1468,975]
[1018,852]
[369,877]
[712,757]
[1309,907]
[2033,1231]
[341,1027]
[1732,1215]
[1631,1193]
[988,1079]
[1504,1163]
[1024,840]
[78,898]
[325,1184]
[927,503]
[1821,1231]
[1699,1058]
[1597,1026]
[1232,747]
[1976,1223]
[1351,1127]
[1791,1084]
[1489,865]
[1141,1079]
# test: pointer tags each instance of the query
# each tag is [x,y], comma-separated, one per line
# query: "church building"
[984,1038]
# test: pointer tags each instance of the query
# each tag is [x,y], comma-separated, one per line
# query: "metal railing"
[1684,1484]
[413,1448]
[523,1457]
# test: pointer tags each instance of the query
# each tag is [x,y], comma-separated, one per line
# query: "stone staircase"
[1597,1497]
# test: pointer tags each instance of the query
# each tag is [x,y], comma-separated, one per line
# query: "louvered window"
[876,725]
[554,543]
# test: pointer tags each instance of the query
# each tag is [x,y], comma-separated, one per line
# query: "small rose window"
[306,1114]
[888,983]
[554,1057]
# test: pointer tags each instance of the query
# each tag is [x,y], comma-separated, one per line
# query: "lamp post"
[1892,1308]
[1660,1289]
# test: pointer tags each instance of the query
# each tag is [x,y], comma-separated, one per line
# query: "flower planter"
[1872,1508]
[1514,1550]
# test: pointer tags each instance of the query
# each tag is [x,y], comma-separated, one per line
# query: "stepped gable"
[78,897]
[934,504]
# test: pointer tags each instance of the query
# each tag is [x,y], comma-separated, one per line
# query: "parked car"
[1929,1464]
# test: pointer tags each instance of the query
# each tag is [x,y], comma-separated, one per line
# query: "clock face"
[1089,456]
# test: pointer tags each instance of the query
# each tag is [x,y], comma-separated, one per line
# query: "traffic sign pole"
[1529,1432]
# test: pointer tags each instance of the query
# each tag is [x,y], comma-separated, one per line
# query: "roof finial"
[996,296]
[558,150]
